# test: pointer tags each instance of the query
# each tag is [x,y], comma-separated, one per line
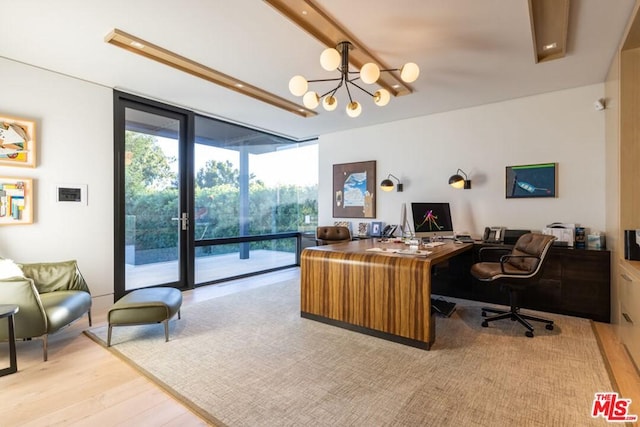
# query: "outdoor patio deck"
[208,268]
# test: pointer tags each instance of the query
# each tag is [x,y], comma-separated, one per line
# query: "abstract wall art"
[17,142]
[16,201]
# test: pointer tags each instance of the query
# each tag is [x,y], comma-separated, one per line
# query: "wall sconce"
[387,184]
[457,181]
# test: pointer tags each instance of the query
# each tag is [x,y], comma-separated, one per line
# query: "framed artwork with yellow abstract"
[354,190]
[17,142]
[16,201]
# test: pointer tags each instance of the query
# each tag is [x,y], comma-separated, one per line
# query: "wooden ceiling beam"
[149,50]
[549,28]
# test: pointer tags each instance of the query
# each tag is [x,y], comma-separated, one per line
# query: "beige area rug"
[249,359]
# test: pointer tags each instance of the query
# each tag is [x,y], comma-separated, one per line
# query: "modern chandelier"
[338,58]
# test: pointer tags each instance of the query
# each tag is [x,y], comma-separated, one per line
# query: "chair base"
[515,315]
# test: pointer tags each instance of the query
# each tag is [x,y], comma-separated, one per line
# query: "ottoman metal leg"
[109,336]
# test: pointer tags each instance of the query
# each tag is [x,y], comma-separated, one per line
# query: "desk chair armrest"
[506,258]
[486,250]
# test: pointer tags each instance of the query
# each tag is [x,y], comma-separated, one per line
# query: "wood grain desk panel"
[382,294]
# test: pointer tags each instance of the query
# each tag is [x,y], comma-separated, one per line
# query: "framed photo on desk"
[376,229]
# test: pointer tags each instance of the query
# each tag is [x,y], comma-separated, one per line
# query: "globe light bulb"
[409,72]
[381,97]
[354,109]
[330,59]
[298,85]
[311,99]
[369,73]
[329,103]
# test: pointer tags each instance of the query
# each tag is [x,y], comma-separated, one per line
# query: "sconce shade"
[387,184]
[460,182]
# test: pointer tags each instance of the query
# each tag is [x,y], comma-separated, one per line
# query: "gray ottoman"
[143,306]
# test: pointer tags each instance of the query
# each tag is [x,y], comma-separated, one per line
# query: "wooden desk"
[382,294]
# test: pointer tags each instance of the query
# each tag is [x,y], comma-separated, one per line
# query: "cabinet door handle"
[625,277]
[627,318]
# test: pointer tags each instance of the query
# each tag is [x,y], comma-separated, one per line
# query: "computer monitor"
[432,219]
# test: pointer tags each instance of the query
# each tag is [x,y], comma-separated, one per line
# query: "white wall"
[424,152]
[74,137]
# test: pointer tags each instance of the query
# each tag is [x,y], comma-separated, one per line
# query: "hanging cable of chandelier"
[331,59]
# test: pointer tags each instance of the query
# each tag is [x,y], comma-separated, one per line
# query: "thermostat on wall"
[71,193]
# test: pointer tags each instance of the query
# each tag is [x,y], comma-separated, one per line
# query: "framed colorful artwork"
[16,201]
[354,190]
[526,181]
[17,142]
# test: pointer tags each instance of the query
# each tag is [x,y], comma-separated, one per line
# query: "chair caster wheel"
[484,313]
[485,324]
[529,334]
[549,327]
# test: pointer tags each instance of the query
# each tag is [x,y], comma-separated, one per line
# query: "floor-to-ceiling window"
[199,200]
[254,193]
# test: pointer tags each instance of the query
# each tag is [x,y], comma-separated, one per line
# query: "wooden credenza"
[382,294]
[575,282]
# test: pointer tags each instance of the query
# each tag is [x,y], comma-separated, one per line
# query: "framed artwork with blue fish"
[527,181]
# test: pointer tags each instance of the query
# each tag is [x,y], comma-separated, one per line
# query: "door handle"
[184,221]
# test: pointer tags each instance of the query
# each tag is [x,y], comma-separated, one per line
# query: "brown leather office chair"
[332,234]
[515,271]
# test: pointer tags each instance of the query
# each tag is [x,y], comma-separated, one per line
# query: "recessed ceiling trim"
[549,28]
[144,48]
[328,31]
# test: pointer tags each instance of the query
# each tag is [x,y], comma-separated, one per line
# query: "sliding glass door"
[152,190]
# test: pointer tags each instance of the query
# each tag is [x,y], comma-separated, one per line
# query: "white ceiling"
[470,52]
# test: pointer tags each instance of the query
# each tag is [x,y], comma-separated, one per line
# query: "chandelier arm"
[391,69]
[325,80]
[348,91]
[332,91]
[361,88]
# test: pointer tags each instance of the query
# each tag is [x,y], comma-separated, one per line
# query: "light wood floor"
[84,384]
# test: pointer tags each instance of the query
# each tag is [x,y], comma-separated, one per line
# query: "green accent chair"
[50,297]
